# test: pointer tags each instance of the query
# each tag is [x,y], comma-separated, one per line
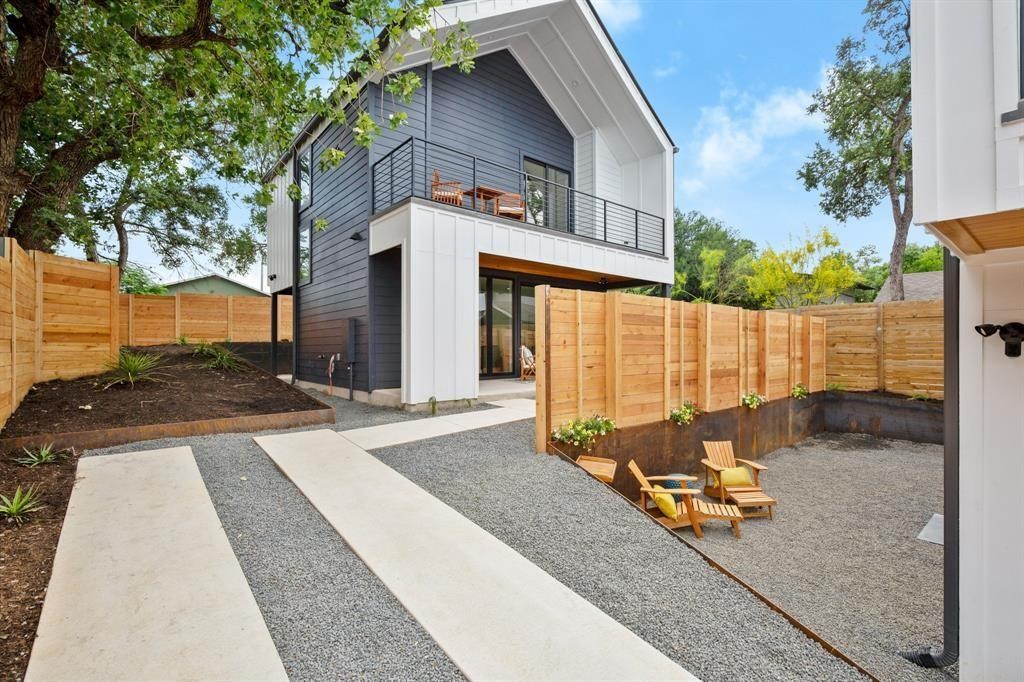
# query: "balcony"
[431,171]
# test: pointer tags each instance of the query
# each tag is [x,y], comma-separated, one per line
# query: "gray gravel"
[606,551]
[842,554]
[328,614]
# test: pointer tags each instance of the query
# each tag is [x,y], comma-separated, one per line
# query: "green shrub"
[46,454]
[834,386]
[753,400]
[685,414]
[181,341]
[21,503]
[583,432]
[132,367]
[218,357]
[800,392]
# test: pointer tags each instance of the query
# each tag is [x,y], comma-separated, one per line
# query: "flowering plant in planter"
[753,400]
[800,392]
[583,432]
[685,414]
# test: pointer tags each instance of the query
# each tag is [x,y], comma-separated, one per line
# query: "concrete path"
[496,614]
[386,435]
[145,585]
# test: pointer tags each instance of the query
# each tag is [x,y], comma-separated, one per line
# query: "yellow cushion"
[736,476]
[666,503]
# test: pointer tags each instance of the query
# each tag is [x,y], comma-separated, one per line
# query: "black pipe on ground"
[930,657]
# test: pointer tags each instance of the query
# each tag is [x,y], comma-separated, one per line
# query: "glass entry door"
[497,318]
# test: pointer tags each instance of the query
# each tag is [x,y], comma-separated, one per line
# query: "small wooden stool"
[752,498]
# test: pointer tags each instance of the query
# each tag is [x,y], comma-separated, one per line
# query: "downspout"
[295,274]
[930,657]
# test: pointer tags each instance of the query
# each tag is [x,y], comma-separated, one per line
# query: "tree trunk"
[53,190]
[899,246]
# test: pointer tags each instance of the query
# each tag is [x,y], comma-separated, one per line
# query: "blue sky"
[731,79]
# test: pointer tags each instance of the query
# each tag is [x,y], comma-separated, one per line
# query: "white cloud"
[618,14]
[665,72]
[732,136]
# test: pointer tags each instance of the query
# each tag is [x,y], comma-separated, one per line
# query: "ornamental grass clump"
[218,357]
[45,454]
[686,414]
[583,432]
[753,400]
[800,392]
[133,367]
[23,502]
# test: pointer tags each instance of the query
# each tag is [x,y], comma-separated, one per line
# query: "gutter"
[930,657]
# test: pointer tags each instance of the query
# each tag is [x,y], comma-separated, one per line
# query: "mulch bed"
[26,556]
[187,391]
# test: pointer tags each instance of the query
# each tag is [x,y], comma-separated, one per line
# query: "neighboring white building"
[432,275]
[968,111]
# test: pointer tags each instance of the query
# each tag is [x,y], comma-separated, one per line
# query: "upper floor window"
[547,195]
[306,175]
[305,253]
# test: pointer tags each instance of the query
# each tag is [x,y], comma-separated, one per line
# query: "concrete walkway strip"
[496,614]
[386,435]
[145,584]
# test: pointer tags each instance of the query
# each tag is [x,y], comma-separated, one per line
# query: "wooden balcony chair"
[735,480]
[449,192]
[527,363]
[688,510]
[511,206]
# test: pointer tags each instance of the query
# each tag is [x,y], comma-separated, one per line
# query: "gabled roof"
[198,278]
[569,54]
[917,286]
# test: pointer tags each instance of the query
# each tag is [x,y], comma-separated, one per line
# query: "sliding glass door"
[496,325]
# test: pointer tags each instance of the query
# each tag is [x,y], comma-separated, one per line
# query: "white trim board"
[496,614]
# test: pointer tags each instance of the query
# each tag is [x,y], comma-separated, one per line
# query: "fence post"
[38,262]
[741,345]
[613,353]
[115,312]
[667,389]
[880,343]
[177,317]
[131,319]
[682,356]
[542,428]
[704,315]
[12,248]
[579,353]
[762,352]
[791,359]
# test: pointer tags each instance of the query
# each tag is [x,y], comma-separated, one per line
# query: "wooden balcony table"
[485,194]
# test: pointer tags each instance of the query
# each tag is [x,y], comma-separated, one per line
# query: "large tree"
[711,260]
[865,103]
[138,82]
[812,272]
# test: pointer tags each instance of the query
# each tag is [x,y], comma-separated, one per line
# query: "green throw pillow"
[666,503]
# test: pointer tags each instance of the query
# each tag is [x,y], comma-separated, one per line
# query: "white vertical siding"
[607,172]
[279,233]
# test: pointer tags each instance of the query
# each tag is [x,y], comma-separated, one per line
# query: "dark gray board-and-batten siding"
[494,113]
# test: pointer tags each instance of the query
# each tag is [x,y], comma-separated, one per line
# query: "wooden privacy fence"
[635,358]
[895,346]
[58,320]
[154,320]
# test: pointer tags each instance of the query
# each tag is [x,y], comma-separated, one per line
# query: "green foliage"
[23,502]
[135,280]
[133,367]
[219,357]
[712,261]
[45,454]
[835,386]
[583,432]
[685,414]
[813,272]
[320,224]
[433,405]
[753,400]
[866,107]
[181,341]
[800,391]
[873,270]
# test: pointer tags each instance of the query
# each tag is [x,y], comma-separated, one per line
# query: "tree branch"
[203,29]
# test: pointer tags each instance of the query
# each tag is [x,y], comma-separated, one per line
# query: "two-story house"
[968,117]
[544,165]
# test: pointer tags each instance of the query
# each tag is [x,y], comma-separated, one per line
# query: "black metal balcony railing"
[410,170]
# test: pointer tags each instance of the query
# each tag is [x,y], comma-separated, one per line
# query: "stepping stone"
[932,531]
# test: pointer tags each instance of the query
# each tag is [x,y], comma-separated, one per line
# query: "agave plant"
[218,357]
[23,502]
[133,367]
[45,454]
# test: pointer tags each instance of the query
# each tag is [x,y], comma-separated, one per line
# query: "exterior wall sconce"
[356,236]
[1012,333]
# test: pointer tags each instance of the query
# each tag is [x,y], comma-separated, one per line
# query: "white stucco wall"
[991,471]
[440,265]
[279,233]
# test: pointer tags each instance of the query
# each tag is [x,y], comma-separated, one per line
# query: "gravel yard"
[605,550]
[329,616]
[842,554]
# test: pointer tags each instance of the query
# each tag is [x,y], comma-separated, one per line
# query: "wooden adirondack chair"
[720,456]
[527,363]
[446,192]
[691,510]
